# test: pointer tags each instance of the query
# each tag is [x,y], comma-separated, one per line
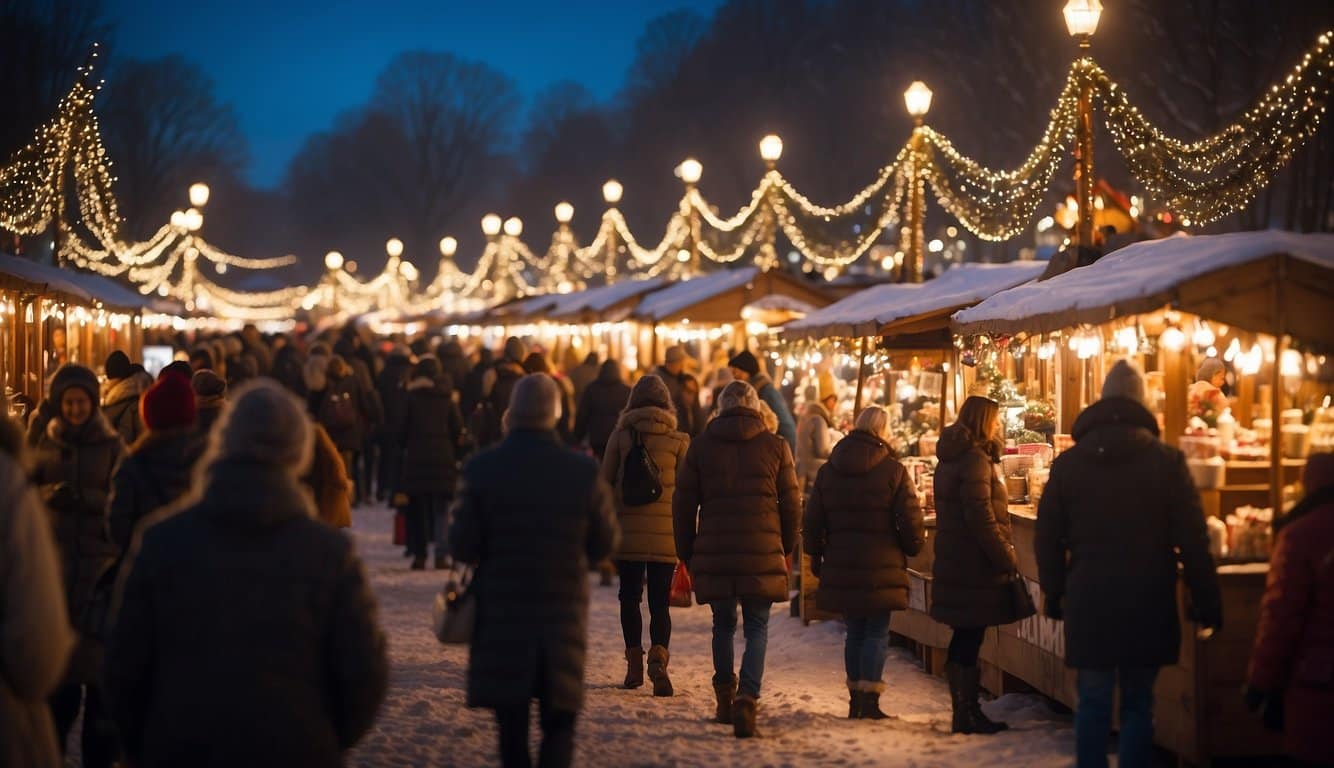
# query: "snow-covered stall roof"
[571,306]
[683,295]
[865,313]
[77,286]
[719,297]
[1230,278]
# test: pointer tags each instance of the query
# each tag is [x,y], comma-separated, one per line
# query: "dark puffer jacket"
[1119,506]
[863,519]
[533,542]
[246,633]
[975,559]
[737,509]
[646,531]
[429,431]
[600,407]
[154,473]
[120,404]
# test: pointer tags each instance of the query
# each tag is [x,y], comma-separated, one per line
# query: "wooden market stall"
[1262,302]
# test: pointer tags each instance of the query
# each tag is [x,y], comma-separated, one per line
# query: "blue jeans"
[865,649]
[1093,718]
[755,615]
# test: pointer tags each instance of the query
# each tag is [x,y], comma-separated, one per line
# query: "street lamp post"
[333,261]
[1081,19]
[691,171]
[917,99]
[611,194]
[771,149]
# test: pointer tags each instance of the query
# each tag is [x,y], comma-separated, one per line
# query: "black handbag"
[1021,601]
[454,615]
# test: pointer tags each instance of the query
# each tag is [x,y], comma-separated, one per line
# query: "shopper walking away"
[813,439]
[430,430]
[532,544]
[246,632]
[862,523]
[600,408]
[975,569]
[1118,515]
[645,452]
[735,513]
[210,392]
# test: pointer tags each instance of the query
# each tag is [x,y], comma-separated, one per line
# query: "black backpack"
[639,474]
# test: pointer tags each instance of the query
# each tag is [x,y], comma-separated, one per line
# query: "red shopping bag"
[400,529]
[679,597]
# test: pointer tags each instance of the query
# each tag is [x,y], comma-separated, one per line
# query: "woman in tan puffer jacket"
[647,551]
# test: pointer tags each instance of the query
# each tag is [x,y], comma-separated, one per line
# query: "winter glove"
[817,565]
[1052,609]
[1267,704]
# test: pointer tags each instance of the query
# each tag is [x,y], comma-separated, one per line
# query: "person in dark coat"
[1291,681]
[453,362]
[975,565]
[600,408]
[430,430]
[1119,513]
[735,518]
[584,374]
[75,458]
[156,470]
[210,393]
[746,367]
[120,401]
[343,411]
[353,351]
[672,369]
[862,523]
[473,391]
[390,385]
[532,543]
[536,362]
[245,631]
[288,365]
[689,413]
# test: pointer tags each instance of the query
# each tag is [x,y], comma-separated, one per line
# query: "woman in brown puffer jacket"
[974,560]
[735,517]
[647,552]
[862,521]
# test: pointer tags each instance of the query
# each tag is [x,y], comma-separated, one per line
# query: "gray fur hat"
[265,423]
[534,404]
[738,394]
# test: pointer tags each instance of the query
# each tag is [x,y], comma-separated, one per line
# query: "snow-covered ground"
[802,711]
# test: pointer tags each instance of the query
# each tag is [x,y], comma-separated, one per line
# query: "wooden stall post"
[1070,387]
[1276,381]
[1175,384]
[861,381]
[1245,399]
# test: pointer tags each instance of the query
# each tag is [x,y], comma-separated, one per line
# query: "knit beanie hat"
[827,387]
[536,362]
[650,391]
[738,394]
[1124,380]
[426,368]
[264,423]
[1319,472]
[210,389]
[1210,368]
[745,361]
[675,354]
[515,349]
[178,368]
[75,375]
[118,365]
[534,404]
[168,404]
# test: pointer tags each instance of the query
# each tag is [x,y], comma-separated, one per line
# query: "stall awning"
[717,298]
[1268,281]
[79,287]
[606,303]
[911,307]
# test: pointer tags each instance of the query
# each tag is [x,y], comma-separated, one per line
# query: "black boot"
[743,716]
[634,667]
[854,700]
[657,671]
[870,701]
[968,717]
[725,692]
[418,563]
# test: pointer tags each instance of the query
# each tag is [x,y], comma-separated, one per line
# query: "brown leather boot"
[634,667]
[743,716]
[870,695]
[725,692]
[657,671]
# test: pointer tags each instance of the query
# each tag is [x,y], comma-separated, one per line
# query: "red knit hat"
[168,404]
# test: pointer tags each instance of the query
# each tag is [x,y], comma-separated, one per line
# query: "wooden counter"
[1198,713]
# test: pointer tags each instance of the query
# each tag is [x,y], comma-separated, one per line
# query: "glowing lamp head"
[514,226]
[333,261]
[1173,338]
[407,271]
[199,195]
[194,219]
[771,148]
[564,212]
[394,247]
[1081,18]
[491,224]
[178,219]
[683,255]
[690,170]
[448,247]
[611,191]
[917,99]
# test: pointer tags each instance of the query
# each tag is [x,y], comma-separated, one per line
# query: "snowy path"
[424,723]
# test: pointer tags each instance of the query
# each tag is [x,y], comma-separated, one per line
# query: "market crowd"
[171,564]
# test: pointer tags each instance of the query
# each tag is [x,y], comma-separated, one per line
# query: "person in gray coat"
[532,543]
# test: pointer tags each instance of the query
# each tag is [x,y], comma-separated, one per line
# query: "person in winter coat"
[813,440]
[1291,678]
[120,401]
[584,374]
[473,391]
[210,393]
[486,422]
[343,412]
[746,367]
[647,554]
[430,431]
[536,362]
[35,635]
[74,461]
[672,369]
[532,544]
[357,355]
[736,513]
[453,362]
[390,385]
[1119,513]
[862,523]
[288,368]
[600,408]
[156,469]
[689,413]
[245,630]
[328,481]
[975,564]
[315,376]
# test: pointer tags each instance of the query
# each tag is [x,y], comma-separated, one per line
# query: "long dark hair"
[977,415]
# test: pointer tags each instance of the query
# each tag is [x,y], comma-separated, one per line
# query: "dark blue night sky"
[290,66]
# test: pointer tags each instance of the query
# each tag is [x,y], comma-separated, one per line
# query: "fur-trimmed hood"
[96,430]
[648,419]
[128,388]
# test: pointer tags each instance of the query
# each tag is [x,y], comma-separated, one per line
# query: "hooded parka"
[646,531]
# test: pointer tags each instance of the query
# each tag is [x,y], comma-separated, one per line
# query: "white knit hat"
[1124,380]
[738,394]
[265,423]
[534,403]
